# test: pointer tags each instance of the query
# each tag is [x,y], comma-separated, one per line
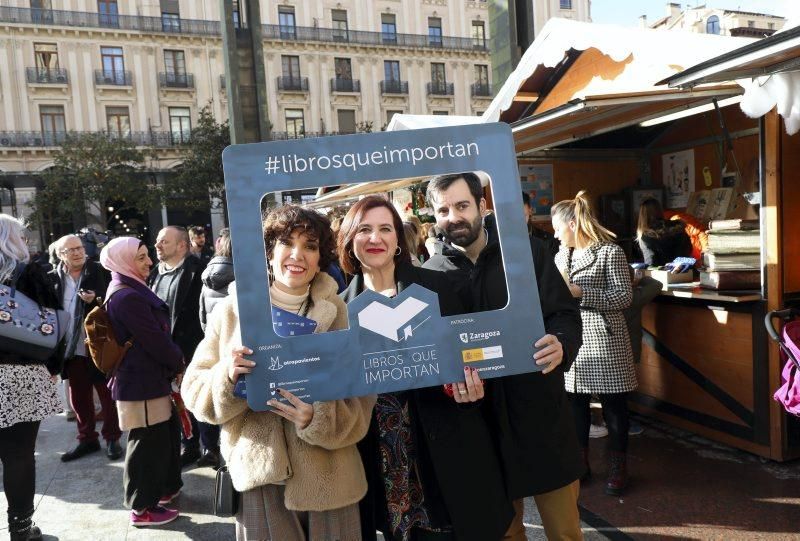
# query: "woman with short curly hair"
[297,466]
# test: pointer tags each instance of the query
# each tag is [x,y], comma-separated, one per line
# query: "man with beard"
[197,245]
[532,419]
[177,281]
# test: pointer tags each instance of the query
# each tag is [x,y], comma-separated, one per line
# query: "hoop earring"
[351,254]
[398,252]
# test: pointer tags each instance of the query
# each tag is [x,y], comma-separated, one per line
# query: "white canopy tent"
[651,55]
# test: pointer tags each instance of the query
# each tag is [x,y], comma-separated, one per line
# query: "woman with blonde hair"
[296,466]
[597,273]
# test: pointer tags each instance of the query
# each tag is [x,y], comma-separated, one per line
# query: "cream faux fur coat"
[319,464]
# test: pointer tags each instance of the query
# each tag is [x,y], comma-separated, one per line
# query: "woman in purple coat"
[142,384]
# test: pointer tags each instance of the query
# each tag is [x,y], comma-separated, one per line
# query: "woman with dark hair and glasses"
[431,466]
[296,466]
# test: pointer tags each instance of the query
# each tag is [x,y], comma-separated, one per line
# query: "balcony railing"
[480,89]
[84,19]
[175,80]
[155,139]
[293,83]
[46,76]
[440,89]
[345,85]
[113,78]
[361,37]
[394,87]
[283,136]
[49,139]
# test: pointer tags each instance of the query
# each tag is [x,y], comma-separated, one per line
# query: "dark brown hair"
[196,231]
[282,221]
[650,215]
[440,184]
[349,228]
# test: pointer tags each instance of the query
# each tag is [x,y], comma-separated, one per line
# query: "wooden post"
[771,224]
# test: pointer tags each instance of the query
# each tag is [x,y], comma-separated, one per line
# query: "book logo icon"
[275,363]
[392,323]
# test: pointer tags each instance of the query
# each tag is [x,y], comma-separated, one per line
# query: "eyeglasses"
[75,250]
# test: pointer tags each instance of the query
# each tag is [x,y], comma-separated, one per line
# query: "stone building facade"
[142,69]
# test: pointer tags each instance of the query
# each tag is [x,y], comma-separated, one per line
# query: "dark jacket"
[204,257]
[216,277]
[456,441]
[186,332]
[531,417]
[154,359]
[93,278]
[645,291]
[35,283]
[667,241]
[548,239]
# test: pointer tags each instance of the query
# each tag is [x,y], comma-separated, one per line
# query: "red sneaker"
[155,516]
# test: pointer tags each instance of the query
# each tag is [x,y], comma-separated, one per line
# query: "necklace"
[304,307]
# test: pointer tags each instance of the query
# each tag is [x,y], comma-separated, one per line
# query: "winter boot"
[587,475]
[618,475]
[22,528]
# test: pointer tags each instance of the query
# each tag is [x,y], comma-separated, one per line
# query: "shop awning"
[354,191]
[768,70]
[775,54]
[593,115]
[418,122]
[588,59]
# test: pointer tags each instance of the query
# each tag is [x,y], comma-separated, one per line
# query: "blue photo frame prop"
[414,346]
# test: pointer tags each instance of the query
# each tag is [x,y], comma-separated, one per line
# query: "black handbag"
[26,328]
[226,498]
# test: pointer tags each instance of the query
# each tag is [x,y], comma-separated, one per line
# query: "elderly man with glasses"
[81,285]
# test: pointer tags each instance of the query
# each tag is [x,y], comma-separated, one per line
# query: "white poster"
[678,175]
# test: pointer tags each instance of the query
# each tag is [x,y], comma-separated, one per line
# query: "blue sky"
[627,12]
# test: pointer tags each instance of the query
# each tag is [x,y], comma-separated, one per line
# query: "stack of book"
[733,257]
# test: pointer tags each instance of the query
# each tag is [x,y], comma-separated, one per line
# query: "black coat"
[530,413]
[186,332]
[664,243]
[93,278]
[464,466]
[216,278]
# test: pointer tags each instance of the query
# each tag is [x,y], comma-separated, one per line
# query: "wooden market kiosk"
[579,105]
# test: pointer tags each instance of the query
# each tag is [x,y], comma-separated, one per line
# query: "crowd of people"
[452,463]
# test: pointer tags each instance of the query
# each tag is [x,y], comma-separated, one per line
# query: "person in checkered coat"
[597,273]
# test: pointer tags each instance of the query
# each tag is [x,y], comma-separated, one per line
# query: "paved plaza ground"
[683,487]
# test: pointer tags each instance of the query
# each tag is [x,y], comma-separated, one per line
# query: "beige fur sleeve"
[206,389]
[339,423]
[340,322]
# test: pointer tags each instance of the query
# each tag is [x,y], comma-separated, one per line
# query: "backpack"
[105,350]
[789,392]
